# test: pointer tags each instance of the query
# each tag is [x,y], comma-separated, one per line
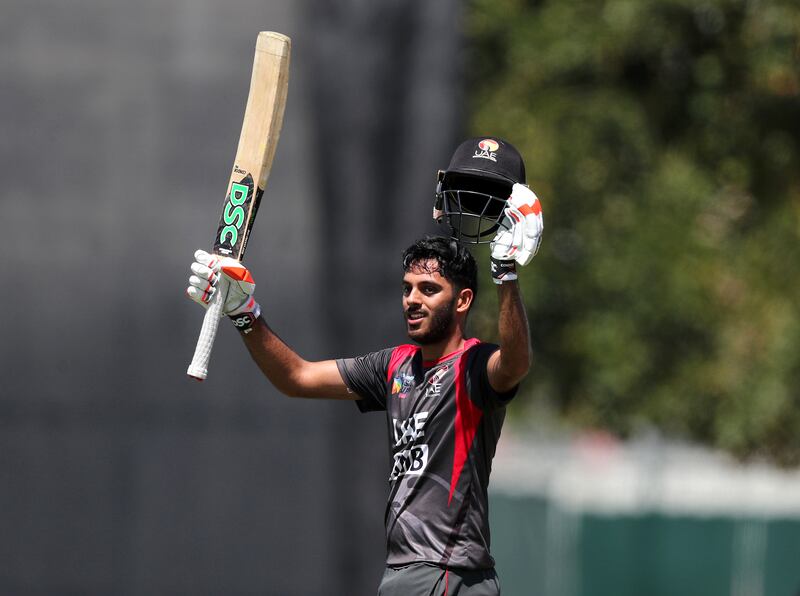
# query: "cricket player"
[444,394]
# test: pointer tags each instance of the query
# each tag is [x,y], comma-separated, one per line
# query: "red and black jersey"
[444,423]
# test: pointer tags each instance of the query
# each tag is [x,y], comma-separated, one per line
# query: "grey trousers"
[421,579]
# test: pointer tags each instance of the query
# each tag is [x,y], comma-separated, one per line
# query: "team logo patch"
[434,385]
[402,384]
[487,149]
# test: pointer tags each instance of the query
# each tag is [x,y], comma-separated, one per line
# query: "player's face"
[428,304]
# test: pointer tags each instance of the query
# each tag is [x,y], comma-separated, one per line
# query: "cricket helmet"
[471,193]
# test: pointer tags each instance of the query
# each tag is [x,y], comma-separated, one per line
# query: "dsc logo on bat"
[233,214]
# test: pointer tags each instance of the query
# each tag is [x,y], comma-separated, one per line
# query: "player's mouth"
[414,318]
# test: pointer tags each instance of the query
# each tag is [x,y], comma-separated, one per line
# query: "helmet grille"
[473,207]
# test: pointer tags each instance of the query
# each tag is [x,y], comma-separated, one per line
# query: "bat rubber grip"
[198,369]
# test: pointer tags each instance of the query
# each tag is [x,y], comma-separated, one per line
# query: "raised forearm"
[515,343]
[290,373]
[284,368]
[279,363]
[512,246]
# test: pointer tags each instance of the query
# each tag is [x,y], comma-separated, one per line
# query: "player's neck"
[434,352]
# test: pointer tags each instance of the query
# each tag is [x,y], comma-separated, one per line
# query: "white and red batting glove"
[519,239]
[204,282]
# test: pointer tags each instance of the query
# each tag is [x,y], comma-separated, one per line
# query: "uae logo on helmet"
[487,149]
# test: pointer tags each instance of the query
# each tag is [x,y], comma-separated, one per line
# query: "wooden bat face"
[260,131]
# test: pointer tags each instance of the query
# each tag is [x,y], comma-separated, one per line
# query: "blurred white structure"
[591,515]
[597,473]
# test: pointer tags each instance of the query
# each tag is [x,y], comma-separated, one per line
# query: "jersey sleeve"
[480,390]
[366,377]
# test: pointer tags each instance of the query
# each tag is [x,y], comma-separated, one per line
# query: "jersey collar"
[467,345]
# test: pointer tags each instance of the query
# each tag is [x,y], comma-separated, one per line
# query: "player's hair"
[455,263]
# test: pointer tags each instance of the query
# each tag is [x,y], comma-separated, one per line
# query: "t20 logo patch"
[402,384]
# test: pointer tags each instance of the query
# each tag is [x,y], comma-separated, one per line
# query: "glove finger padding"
[201,290]
[199,295]
[503,246]
[206,270]
[532,238]
[206,258]
[212,273]
[524,213]
[204,278]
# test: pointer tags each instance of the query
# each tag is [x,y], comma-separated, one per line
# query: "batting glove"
[207,272]
[519,239]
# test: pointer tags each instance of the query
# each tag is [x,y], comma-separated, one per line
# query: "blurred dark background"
[118,130]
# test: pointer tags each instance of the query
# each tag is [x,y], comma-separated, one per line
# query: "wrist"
[244,317]
[503,271]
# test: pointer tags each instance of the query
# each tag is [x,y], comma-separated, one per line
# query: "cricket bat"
[260,130]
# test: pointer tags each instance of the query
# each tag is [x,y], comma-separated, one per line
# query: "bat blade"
[261,128]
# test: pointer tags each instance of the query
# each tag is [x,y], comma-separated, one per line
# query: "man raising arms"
[445,394]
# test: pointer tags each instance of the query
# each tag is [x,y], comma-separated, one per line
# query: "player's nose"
[413,296]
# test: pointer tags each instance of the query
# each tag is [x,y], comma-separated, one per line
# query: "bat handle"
[198,369]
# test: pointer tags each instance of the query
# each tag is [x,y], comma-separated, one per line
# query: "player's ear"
[464,300]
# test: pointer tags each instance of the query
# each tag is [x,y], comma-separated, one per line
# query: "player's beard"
[441,325]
